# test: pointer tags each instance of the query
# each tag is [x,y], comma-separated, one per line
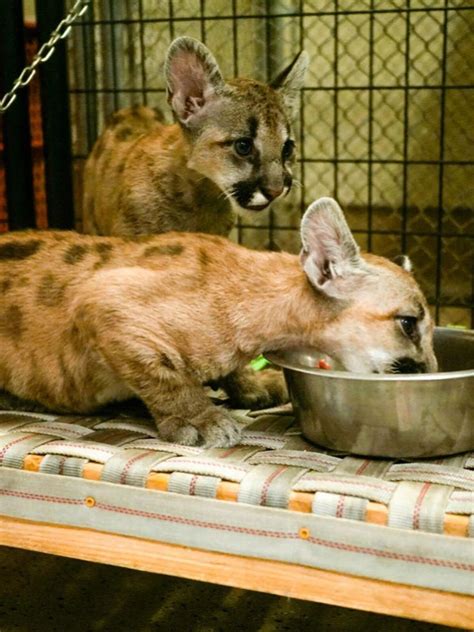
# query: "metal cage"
[384,124]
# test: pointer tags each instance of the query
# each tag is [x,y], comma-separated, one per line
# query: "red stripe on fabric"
[266,485]
[66,444]
[128,465]
[460,477]
[306,457]
[340,507]
[418,503]
[391,555]
[41,497]
[49,426]
[229,452]
[14,442]
[228,466]
[249,434]
[192,485]
[349,481]
[293,536]
[332,544]
[62,462]
[196,523]
[363,467]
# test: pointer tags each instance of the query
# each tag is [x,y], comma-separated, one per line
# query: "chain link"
[44,53]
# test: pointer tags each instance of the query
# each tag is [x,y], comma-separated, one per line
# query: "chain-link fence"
[385,123]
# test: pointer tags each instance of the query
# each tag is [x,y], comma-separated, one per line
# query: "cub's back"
[44,270]
[107,162]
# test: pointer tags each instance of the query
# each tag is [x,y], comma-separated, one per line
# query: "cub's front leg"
[247,388]
[182,411]
[157,374]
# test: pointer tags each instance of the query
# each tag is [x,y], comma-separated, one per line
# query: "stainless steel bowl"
[418,415]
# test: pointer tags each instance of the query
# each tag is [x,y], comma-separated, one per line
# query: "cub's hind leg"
[247,388]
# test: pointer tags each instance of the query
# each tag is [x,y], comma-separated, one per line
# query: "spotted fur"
[159,317]
[146,177]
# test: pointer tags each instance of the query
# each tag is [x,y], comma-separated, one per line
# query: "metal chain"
[47,49]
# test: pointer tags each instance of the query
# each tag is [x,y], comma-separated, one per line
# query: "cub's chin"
[248,211]
[255,208]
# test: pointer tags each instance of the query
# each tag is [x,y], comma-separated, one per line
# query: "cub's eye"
[288,149]
[409,326]
[243,146]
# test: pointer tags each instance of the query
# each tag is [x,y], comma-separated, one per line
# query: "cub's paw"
[263,389]
[213,428]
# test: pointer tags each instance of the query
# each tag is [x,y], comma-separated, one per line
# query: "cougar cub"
[88,320]
[231,150]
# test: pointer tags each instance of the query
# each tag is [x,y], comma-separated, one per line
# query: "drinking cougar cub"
[89,320]
[231,149]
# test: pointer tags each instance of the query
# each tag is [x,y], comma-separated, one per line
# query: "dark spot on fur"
[5,285]
[104,250]
[19,249]
[130,219]
[74,337]
[158,114]
[115,118]
[50,291]
[167,362]
[75,253]
[11,322]
[255,161]
[253,127]
[167,249]
[204,258]
[122,133]
[213,239]
[138,238]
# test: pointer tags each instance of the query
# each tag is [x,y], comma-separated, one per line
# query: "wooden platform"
[268,576]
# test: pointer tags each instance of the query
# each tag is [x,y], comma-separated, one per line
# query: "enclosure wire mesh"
[385,122]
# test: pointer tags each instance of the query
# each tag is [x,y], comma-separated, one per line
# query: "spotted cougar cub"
[89,320]
[231,150]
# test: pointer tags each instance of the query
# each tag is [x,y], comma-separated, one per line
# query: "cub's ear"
[290,81]
[192,77]
[404,262]
[330,256]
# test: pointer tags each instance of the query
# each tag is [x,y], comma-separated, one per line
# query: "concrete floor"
[44,593]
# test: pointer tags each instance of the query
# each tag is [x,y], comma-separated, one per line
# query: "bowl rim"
[275,357]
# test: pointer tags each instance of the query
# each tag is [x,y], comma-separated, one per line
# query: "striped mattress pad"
[275,495]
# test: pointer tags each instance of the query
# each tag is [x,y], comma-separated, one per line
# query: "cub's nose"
[408,365]
[272,192]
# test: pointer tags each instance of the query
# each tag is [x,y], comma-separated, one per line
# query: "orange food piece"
[323,364]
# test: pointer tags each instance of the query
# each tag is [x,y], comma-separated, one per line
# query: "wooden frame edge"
[269,576]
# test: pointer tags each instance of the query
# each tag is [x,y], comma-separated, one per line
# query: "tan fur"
[142,184]
[89,320]
[145,177]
